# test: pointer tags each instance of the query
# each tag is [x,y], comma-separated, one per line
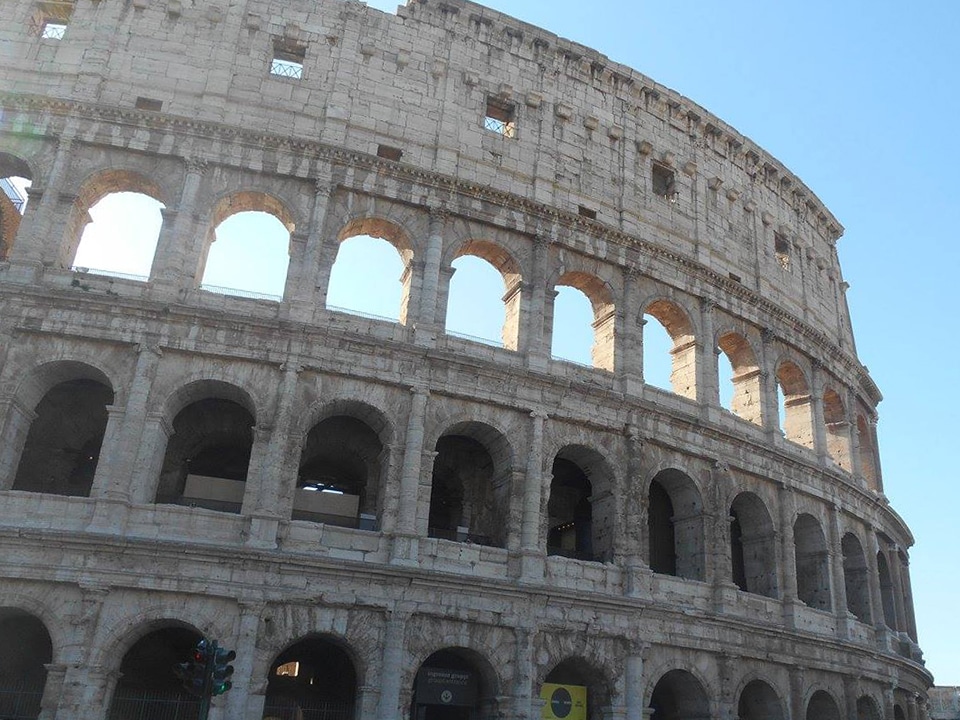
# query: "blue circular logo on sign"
[561,703]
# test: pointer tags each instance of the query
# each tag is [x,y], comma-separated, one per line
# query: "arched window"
[813,568]
[579,516]
[62,449]
[572,337]
[796,417]
[148,687]
[470,489]
[208,455]
[25,652]
[752,546]
[455,684]
[14,182]
[247,247]
[341,474]
[603,320]
[479,305]
[682,348]
[886,592]
[822,707]
[675,526]
[312,678]
[678,695]
[759,701]
[122,237]
[743,387]
[867,709]
[855,578]
[372,273]
[838,429]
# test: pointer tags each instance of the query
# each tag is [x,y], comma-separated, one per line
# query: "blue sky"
[859,99]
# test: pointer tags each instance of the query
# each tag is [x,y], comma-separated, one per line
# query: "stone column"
[110,513]
[893,561]
[41,231]
[535,341]
[307,292]
[845,618]
[523,686]
[719,568]
[405,545]
[177,255]
[788,554]
[727,702]
[263,526]
[708,384]
[248,625]
[850,404]
[153,447]
[889,703]
[851,690]
[876,594]
[816,403]
[768,386]
[426,311]
[629,352]
[391,667]
[97,685]
[876,452]
[16,426]
[52,690]
[532,554]
[637,574]
[297,251]
[795,704]
[907,588]
[633,682]
[912,709]
[118,459]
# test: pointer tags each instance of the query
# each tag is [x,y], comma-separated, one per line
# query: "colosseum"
[384,518]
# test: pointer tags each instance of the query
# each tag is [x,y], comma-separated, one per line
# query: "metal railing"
[10,190]
[360,313]
[236,292]
[20,700]
[558,358]
[476,339]
[315,710]
[458,536]
[153,705]
[109,273]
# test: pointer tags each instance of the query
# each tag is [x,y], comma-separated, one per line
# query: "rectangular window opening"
[735,277]
[587,212]
[664,182]
[53,30]
[145,103]
[287,60]
[781,247]
[388,152]
[501,117]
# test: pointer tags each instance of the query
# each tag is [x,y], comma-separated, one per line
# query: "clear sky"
[858,99]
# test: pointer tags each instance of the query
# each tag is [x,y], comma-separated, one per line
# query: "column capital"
[196,164]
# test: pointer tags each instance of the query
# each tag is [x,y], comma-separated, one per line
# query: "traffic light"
[222,670]
[193,673]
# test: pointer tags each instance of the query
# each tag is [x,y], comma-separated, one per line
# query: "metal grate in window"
[53,30]
[286,68]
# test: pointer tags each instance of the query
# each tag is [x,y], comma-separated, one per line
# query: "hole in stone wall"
[664,182]
[368,278]
[500,117]
[288,59]
[388,152]
[656,354]
[122,238]
[572,326]
[475,306]
[248,257]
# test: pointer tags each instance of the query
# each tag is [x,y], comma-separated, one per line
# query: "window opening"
[572,326]
[586,212]
[25,653]
[314,678]
[475,308]
[368,279]
[664,182]
[388,152]
[145,103]
[813,571]
[249,257]
[725,375]
[122,239]
[657,345]
[781,248]
[287,60]
[53,30]
[466,498]
[13,203]
[500,117]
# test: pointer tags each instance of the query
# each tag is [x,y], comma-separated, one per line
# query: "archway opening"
[122,238]
[15,180]
[483,297]
[25,652]
[208,456]
[822,707]
[470,488]
[583,683]
[340,474]
[759,701]
[682,348]
[856,578]
[148,689]
[752,546]
[838,429]
[812,563]
[572,337]
[886,592]
[794,396]
[675,526]
[314,678]
[454,684]
[371,275]
[867,709]
[603,315]
[678,695]
[62,448]
[740,386]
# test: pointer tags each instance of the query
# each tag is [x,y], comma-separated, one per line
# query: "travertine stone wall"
[789,576]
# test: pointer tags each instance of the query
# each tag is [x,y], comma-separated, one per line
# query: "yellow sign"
[563,702]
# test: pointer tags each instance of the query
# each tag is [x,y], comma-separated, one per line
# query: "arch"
[868,454]
[95,188]
[25,652]
[838,428]
[899,713]
[268,251]
[498,257]
[580,672]
[675,320]
[679,695]
[604,315]
[16,176]
[203,389]
[868,708]
[822,706]
[796,405]
[752,546]
[886,591]
[314,675]
[471,485]
[581,508]
[759,701]
[467,676]
[373,296]
[147,687]
[856,577]
[207,457]
[812,562]
[745,401]
[675,526]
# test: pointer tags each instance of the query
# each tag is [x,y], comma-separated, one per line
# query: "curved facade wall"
[502,513]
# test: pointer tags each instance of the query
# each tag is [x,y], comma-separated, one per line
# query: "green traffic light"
[221,687]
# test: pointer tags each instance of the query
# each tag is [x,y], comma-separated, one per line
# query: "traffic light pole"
[207,694]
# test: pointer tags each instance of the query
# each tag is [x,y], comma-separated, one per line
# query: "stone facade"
[518,518]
